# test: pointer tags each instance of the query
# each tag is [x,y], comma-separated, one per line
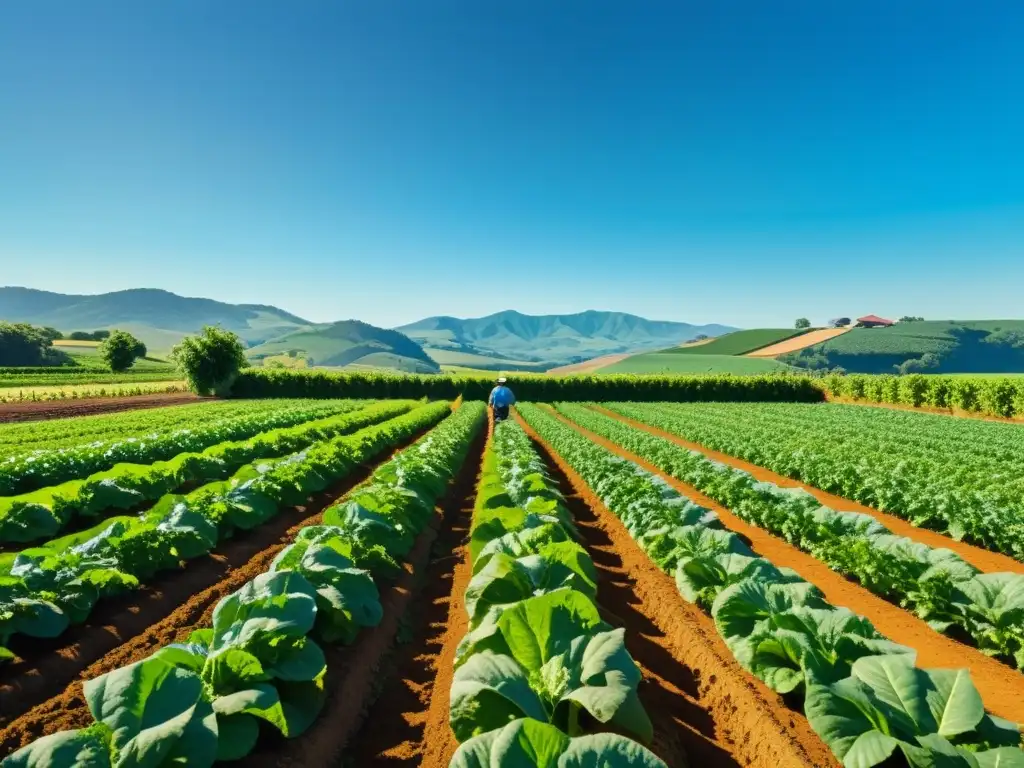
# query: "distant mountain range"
[512,339]
[505,340]
[159,318]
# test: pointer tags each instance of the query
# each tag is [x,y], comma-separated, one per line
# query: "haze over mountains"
[506,339]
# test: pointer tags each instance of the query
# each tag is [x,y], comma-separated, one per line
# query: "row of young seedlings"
[936,584]
[261,663]
[541,679]
[861,693]
[44,590]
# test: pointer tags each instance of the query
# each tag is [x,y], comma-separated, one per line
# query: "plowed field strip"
[999,685]
[59,409]
[982,559]
[45,694]
[699,698]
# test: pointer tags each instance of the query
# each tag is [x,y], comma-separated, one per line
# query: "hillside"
[349,343]
[159,318]
[938,346]
[511,337]
[738,342]
[665,362]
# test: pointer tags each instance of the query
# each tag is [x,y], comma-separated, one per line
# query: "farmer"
[501,398]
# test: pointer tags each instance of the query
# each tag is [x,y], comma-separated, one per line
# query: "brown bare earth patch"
[1019,419]
[41,693]
[702,702]
[982,559]
[796,343]
[588,366]
[59,409]
[388,730]
[998,684]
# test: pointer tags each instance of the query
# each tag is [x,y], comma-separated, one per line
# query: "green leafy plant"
[210,361]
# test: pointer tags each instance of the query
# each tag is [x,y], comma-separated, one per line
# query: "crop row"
[35,393]
[43,513]
[17,377]
[989,395]
[862,694]
[539,671]
[44,590]
[63,433]
[39,468]
[261,664]
[938,585]
[945,487]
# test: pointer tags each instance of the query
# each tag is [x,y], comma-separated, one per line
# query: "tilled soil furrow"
[699,698]
[45,696]
[356,675]
[982,559]
[408,722]
[42,410]
[998,684]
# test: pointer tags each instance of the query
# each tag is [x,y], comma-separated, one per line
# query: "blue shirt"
[502,396]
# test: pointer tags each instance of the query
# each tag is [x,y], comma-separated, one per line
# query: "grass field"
[447,357]
[737,342]
[664,362]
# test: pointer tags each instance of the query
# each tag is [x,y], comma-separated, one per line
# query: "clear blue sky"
[733,161]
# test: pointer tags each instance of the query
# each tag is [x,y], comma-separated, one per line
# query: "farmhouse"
[873,321]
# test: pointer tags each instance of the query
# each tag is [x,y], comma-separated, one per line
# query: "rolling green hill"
[937,346]
[548,340]
[349,343]
[159,318]
[665,362]
[739,342]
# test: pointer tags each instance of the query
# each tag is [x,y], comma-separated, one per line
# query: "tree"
[210,361]
[802,322]
[910,319]
[700,337]
[100,335]
[120,350]
[24,344]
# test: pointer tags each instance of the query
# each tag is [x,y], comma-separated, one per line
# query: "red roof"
[874,319]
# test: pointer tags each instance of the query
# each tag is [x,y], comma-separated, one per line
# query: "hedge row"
[988,395]
[292,383]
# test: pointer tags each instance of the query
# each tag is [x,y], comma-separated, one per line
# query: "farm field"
[738,342]
[31,391]
[797,342]
[674,362]
[370,581]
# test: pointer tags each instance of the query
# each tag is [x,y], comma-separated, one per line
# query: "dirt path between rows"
[999,685]
[42,693]
[956,412]
[701,701]
[982,559]
[58,409]
[407,724]
[798,342]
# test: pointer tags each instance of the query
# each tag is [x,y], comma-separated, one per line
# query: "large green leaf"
[487,692]
[157,714]
[86,748]
[541,627]
[532,744]
[277,604]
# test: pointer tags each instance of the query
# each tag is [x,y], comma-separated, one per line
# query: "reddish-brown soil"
[795,343]
[41,693]
[702,703]
[1019,419]
[999,685]
[408,723]
[59,409]
[399,678]
[587,366]
[982,559]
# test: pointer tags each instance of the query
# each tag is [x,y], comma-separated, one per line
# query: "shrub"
[120,350]
[913,389]
[23,344]
[890,388]
[965,394]
[211,361]
[997,396]
[940,389]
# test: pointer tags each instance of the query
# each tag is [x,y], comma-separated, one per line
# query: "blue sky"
[737,161]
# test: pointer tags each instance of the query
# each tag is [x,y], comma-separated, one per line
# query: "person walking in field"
[500,400]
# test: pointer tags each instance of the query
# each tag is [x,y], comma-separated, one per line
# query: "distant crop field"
[662,362]
[737,342]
